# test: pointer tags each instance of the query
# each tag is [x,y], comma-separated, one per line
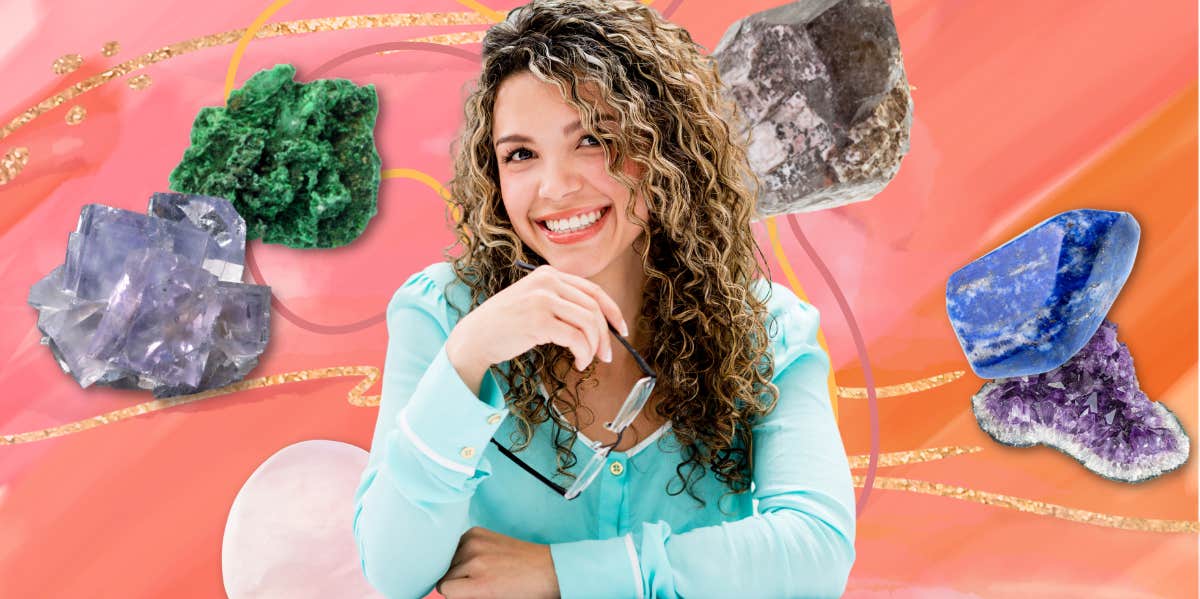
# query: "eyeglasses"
[629,410]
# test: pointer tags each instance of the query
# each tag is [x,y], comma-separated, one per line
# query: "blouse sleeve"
[427,452]
[801,541]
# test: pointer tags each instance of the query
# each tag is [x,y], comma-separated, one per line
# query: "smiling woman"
[598,147]
[554,180]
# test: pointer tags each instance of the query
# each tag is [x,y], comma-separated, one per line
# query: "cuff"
[446,422]
[597,569]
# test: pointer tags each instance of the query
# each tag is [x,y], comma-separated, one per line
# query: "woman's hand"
[489,564]
[545,306]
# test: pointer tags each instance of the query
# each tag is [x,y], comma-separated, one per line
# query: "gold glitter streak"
[1031,506]
[231,37]
[916,456]
[451,39]
[903,388]
[356,398]
[76,115]
[67,63]
[111,49]
[13,162]
[140,82]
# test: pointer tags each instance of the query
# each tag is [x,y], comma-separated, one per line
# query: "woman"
[598,148]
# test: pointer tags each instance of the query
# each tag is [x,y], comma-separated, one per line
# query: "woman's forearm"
[427,455]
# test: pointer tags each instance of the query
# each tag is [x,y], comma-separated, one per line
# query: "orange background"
[1022,110]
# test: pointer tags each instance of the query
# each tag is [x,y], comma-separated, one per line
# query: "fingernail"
[608,355]
[624,329]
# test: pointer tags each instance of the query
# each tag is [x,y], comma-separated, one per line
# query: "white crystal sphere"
[290,529]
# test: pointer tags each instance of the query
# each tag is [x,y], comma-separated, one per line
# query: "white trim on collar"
[644,443]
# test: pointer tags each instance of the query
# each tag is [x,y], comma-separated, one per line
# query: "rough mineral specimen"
[1030,304]
[823,87]
[214,216]
[159,318]
[104,238]
[297,160]
[1092,409]
[154,303]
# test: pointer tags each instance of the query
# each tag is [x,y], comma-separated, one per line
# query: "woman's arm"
[800,544]
[427,452]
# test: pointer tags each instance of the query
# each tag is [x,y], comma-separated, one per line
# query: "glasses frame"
[630,408]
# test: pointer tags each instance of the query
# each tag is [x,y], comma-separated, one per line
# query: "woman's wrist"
[470,367]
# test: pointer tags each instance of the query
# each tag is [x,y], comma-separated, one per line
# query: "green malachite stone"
[297,160]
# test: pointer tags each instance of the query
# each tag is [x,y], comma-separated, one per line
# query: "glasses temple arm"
[521,463]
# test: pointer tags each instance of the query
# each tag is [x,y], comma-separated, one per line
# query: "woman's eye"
[510,155]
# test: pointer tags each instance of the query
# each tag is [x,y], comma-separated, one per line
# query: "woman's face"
[553,182]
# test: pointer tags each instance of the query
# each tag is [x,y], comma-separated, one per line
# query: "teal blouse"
[433,473]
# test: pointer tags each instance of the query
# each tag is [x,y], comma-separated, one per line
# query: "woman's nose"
[559,179]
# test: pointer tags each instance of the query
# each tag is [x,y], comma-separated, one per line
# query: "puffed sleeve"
[427,452]
[801,541]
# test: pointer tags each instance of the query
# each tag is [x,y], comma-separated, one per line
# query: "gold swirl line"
[287,28]
[916,456]
[492,15]
[244,41]
[794,282]
[355,397]
[1031,506]
[917,386]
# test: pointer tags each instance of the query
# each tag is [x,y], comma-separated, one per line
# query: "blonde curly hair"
[708,340]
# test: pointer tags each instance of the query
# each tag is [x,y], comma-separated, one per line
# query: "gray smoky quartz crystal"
[827,103]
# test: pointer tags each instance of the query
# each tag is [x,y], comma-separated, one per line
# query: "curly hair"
[708,340]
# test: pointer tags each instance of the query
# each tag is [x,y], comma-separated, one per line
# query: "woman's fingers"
[578,317]
[453,588]
[608,306]
[569,336]
[599,321]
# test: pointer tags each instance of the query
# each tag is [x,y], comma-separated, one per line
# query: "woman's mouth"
[575,229]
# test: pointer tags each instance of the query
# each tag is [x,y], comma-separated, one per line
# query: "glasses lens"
[588,474]
[633,404]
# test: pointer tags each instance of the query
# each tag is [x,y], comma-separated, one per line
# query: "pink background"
[1022,110]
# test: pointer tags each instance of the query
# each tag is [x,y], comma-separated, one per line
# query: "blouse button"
[467,452]
[616,468]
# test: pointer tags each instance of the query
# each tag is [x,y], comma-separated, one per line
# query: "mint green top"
[433,473]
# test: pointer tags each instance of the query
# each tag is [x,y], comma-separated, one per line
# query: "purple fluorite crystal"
[214,216]
[239,335]
[1092,409]
[155,302]
[106,236]
[160,319]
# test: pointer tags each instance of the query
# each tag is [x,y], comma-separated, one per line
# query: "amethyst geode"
[155,301]
[1090,408]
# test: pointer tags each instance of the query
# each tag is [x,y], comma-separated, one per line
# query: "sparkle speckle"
[76,115]
[111,49]
[67,63]
[140,82]
[14,160]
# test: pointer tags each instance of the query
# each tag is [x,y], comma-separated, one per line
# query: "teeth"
[574,223]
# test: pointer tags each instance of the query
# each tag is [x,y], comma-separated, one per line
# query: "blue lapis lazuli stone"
[1029,305]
